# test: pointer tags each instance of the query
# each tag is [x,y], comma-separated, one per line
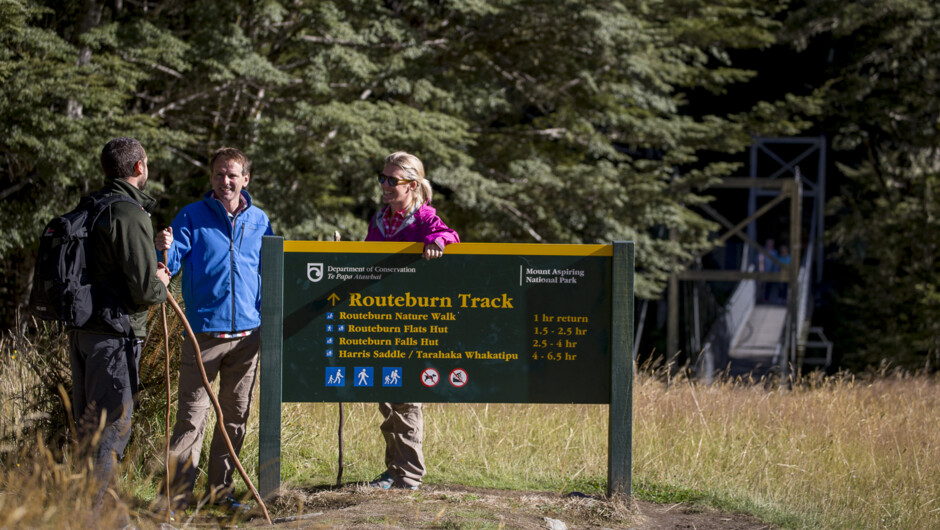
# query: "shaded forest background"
[538,121]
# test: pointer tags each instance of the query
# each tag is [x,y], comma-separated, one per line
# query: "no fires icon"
[458,377]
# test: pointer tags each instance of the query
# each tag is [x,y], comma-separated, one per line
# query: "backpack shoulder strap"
[100,203]
[107,200]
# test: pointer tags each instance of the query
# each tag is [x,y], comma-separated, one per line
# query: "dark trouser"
[104,381]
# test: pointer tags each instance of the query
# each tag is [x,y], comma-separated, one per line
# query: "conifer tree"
[539,120]
[882,112]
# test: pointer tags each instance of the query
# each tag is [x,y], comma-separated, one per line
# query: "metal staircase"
[749,336]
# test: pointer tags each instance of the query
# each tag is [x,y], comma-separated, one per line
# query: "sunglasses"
[392,181]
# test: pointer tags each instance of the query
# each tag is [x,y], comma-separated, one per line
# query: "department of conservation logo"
[314,272]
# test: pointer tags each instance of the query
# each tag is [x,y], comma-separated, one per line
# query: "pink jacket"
[422,226]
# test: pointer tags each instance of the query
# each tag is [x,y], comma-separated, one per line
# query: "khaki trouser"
[403,430]
[235,361]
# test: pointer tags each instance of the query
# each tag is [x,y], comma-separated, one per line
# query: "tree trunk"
[90,19]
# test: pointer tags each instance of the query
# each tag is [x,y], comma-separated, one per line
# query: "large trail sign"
[486,323]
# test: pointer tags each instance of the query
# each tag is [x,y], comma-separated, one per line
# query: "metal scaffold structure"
[758,330]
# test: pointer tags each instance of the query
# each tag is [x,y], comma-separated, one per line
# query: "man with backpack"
[125,280]
[216,242]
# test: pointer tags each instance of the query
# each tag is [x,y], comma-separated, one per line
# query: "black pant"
[104,381]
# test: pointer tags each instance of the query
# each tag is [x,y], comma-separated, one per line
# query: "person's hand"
[432,251]
[163,273]
[164,238]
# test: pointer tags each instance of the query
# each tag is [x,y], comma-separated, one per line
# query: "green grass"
[666,494]
[496,445]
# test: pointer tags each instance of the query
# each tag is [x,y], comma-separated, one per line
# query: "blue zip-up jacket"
[221,264]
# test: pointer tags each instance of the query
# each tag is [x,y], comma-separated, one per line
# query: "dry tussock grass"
[835,453]
[840,452]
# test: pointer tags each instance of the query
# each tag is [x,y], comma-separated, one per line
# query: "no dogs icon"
[430,377]
[458,377]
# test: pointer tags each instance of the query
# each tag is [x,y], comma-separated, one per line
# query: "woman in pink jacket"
[406,216]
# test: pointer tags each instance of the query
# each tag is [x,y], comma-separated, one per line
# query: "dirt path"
[435,506]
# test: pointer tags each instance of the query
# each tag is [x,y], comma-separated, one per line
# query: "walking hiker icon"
[363,376]
[335,376]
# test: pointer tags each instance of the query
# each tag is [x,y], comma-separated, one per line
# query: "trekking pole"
[342,418]
[169,395]
[215,404]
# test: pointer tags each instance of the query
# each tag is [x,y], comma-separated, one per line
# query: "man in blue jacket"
[216,243]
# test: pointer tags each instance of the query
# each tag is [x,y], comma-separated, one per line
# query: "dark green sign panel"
[344,321]
[376,322]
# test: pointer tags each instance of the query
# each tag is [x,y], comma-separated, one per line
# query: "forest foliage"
[879,86]
[538,120]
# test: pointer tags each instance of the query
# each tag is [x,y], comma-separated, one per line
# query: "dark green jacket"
[122,263]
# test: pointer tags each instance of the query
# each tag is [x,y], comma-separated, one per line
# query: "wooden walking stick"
[215,404]
[166,338]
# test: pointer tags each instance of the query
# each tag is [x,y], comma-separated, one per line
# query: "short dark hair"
[119,157]
[230,153]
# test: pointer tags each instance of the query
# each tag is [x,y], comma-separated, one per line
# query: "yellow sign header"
[504,249]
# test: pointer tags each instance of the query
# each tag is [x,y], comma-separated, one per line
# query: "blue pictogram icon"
[391,376]
[363,375]
[335,376]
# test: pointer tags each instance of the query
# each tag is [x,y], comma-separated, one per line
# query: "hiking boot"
[232,504]
[383,481]
[178,503]
[403,486]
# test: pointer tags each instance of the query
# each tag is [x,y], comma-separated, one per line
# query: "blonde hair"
[414,170]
